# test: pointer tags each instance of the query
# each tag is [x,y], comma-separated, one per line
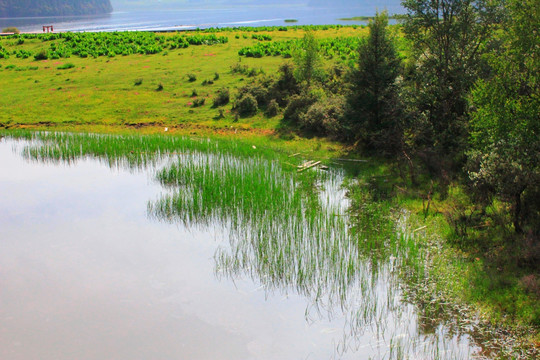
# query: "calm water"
[182,19]
[86,272]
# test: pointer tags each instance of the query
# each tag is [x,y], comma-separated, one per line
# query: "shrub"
[297,106]
[221,115]
[258,91]
[192,77]
[198,102]
[160,87]
[272,109]
[222,97]
[207,82]
[138,82]
[11,29]
[194,93]
[324,117]
[23,54]
[216,76]
[239,69]
[66,66]
[247,105]
[41,55]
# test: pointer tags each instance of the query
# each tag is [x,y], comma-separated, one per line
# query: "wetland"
[129,246]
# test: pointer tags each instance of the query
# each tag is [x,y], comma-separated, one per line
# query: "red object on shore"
[48,28]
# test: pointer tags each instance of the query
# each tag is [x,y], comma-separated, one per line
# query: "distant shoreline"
[366,18]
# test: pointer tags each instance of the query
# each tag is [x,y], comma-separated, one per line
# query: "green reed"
[288,231]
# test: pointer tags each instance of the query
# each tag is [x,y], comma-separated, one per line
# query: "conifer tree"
[373,100]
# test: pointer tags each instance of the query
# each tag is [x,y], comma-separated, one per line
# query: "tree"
[373,99]
[505,125]
[447,38]
[308,60]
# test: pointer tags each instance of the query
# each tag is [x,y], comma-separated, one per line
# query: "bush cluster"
[222,97]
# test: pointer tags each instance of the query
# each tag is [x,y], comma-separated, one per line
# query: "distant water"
[191,18]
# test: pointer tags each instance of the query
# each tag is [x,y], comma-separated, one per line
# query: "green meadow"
[121,92]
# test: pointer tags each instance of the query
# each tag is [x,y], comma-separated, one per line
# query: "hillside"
[24,8]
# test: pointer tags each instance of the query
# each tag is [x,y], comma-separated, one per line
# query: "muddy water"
[86,273]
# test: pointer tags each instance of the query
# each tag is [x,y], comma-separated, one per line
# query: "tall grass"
[289,232]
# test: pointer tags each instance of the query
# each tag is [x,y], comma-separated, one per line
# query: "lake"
[190,249]
[191,18]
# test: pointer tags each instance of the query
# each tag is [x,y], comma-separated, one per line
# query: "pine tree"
[373,99]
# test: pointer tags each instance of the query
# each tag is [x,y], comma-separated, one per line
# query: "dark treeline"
[27,8]
[458,105]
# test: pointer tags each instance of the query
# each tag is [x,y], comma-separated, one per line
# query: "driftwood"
[352,160]
[308,165]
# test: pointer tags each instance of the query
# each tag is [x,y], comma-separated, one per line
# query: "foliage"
[273,108]
[286,85]
[246,105]
[374,103]
[341,48]
[41,55]
[307,59]
[447,39]
[66,66]
[198,102]
[325,117]
[119,43]
[222,97]
[298,105]
[259,91]
[505,126]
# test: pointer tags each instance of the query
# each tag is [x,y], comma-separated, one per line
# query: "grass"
[99,94]
[454,283]
[288,230]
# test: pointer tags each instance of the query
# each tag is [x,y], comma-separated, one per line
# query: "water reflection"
[278,241]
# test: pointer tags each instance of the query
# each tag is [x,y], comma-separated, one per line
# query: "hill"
[27,8]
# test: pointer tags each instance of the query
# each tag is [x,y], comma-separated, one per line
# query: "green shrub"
[160,87]
[222,97]
[41,55]
[239,69]
[207,82]
[272,109]
[66,66]
[138,82]
[324,117]
[198,102]
[24,54]
[247,105]
[216,76]
[258,91]
[297,106]
[192,77]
